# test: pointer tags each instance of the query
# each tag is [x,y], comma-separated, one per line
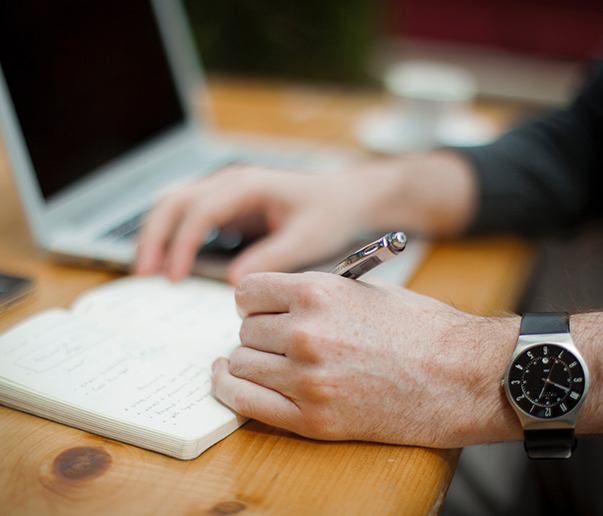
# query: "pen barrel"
[371,255]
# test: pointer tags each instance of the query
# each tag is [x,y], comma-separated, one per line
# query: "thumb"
[282,251]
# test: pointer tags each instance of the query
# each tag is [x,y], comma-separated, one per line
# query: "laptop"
[97,107]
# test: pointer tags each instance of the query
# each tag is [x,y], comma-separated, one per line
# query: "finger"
[157,230]
[252,400]
[215,210]
[166,216]
[189,237]
[266,369]
[280,293]
[265,293]
[266,332]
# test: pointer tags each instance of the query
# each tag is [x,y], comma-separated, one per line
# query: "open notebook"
[131,360]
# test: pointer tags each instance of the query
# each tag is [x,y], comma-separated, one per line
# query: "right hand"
[308,216]
[335,359]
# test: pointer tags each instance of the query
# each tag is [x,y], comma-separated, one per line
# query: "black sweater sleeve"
[547,175]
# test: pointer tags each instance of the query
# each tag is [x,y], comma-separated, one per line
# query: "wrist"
[434,194]
[492,417]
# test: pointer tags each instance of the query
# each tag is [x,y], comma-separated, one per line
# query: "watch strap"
[538,323]
[550,444]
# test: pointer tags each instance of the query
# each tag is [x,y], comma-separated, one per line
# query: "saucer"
[385,131]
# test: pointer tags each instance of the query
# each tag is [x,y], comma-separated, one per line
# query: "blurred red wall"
[556,28]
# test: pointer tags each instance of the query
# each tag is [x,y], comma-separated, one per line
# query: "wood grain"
[259,470]
[47,468]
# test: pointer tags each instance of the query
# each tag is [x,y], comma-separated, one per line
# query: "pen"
[371,255]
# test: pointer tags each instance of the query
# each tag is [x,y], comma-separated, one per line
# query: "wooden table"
[47,468]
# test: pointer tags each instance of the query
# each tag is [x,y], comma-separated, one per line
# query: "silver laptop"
[97,105]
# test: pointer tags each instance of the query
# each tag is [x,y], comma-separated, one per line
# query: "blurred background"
[529,54]
[353,41]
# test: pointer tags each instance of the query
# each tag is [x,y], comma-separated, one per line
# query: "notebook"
[130,360]
[97,107]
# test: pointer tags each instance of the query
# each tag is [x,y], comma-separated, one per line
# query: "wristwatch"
[546,382]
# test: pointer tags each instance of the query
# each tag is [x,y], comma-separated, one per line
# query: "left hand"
[336,359]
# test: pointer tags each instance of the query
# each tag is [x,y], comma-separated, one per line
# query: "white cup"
[427,93]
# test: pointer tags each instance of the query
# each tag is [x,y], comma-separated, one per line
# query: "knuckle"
[305,343]
[311,391]
[198,209]
[312,292]
[196,217]
[242,174]
[243,366]
[235,362]
[243,403]
[310,341]
[316,387]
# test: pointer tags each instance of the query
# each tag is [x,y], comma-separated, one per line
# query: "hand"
[308,217]
[336,359]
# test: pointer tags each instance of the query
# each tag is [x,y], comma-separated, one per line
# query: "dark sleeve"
[546,176]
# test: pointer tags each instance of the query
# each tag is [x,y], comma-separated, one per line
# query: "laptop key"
[127,229]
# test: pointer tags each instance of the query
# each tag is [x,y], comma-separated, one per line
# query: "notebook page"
[199,312]
[149,383]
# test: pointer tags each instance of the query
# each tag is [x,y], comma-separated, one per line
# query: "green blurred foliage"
[327,40]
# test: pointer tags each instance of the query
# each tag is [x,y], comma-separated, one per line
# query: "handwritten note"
[134,354]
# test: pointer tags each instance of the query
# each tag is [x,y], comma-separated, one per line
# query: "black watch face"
[546,381]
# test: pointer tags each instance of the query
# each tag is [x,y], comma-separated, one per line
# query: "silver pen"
[371,255]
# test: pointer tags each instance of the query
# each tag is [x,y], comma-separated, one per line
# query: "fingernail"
[213,366]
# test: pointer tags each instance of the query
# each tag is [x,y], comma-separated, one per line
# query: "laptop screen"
[89,81]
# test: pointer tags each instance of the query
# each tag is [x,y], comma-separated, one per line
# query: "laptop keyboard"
[127,229]
[229,239]
[220,239]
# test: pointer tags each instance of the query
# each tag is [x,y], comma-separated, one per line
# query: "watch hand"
[551,371]
[555,384]
[547,379]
